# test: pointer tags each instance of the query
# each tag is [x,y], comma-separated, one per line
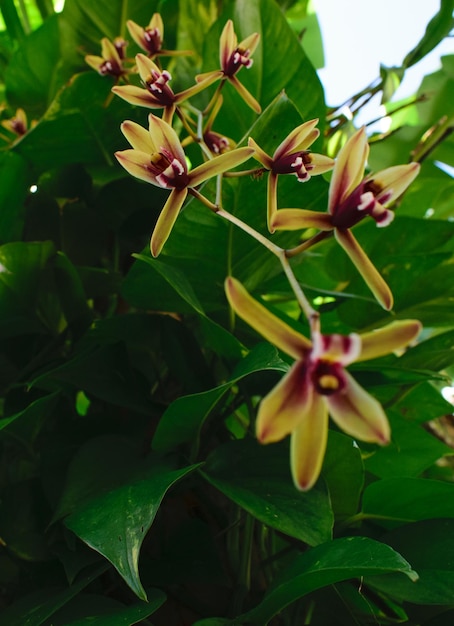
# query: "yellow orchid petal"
[297,219]
[163,136]
[156,22]
[359,414]
[271,201]
[260,155]
[387,339]
[308,444]
[299,139]
[95,62]
[109,51]
[137,163]
[145,67]
[137,96]
[271,327]
[208,78]
[166,220]
[250,43]
[392,182]
[219,164]
[349,169]
[320,163]
[227,43]
[245,94]
[138,137]
[136,32]
[365,267]
[285,406]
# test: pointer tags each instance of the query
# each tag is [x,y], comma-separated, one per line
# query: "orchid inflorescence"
[318,383]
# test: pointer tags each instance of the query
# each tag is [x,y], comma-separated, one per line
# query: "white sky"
[358,35]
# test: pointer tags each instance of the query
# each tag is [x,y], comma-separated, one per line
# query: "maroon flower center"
[111,68]
[236,61]
[216,143]
[327,377]
[298,163]
[168,170]
[153,40]
[157,85]
[361,202]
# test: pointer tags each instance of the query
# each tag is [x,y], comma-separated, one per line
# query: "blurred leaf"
[30,420]
[437,29]
[184,418]
[429,548]
[303,19]
[31,75]
[257,478]
[436,353]
[340,559]
[14,179]
[343,472]
[114,515]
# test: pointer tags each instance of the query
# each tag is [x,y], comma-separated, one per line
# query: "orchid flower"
[18,124]
[150,38]
[351,199]
[233,56]
[157,157]
[111,60]
[318,384]
[157,93]
[292,157]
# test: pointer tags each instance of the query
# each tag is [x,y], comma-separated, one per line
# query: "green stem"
[313,316]
[309,243]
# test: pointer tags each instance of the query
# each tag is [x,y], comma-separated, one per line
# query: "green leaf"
[14,179]
[327,564]
[183,419]
[437,29]
[258,479]
[119,616]
[343,472]
[114,515]
[27,424]
[30,79]
[436,353]
[429,547]
[36,608]
[408,499]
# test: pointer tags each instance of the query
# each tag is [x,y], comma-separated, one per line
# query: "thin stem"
[252,172]
[276,250]
[324,234]
[312,315]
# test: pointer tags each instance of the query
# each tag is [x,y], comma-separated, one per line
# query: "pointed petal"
[365,267]
[285,406]
[138,137]
[227,43]
[208,78]
[260,155]
[219,164]
[359,414]
[349,169]
[163,136]
[156,22]
[271,201]
[245,94]
[145,67]
[94,61]
[250,43]
[393,181]
[137,163]
[320,163]
[191,91]
[271,327]
[389,338]
[138,96]
[136,33]
[109,51]
[299,139]
[297,219]
[308,444]
[166,220]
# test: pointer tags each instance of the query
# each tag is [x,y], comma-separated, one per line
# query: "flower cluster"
[318,384]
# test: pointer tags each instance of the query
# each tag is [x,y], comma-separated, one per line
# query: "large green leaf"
[182,421]
[324,565]
[258,479]
[114,513]
[408,499]
[429,547]
[437,29]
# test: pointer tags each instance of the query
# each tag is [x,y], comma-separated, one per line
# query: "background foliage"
[127,402]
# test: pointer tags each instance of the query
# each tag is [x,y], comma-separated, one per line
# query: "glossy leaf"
[341,559]
[258,479]
[114,522]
